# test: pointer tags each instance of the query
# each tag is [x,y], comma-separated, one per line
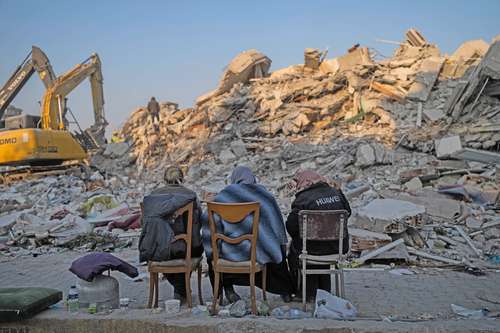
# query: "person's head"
[153,98]
[306,178]
[173,175]
[242,175]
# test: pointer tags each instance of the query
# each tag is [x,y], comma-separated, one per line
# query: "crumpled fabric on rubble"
[133,222]
[93,264]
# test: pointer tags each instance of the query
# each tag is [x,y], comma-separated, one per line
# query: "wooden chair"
[186,265]
[235,213]
[323,225]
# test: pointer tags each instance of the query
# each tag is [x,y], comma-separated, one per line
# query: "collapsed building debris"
[398,135]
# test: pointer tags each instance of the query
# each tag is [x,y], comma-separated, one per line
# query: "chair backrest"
[234,213]
[323,225]
[188,236]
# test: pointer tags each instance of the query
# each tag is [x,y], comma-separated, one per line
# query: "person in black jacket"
[154,109]
[174,178]
[313,193]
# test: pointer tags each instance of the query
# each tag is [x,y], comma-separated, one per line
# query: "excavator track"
[10,176]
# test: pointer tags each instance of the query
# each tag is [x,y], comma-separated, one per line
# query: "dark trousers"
[178,282]
[155,115]
[278,279]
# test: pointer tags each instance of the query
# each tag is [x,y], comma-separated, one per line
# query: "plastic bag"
[329,306]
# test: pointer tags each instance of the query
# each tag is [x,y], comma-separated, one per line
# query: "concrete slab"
[445,147]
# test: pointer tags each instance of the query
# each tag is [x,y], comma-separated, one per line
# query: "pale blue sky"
[177,50]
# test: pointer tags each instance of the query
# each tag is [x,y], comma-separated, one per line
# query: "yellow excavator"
[49,142]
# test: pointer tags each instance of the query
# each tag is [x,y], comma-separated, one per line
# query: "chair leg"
[200,295]
[157,289]
[304,285]
[342,287]
[337,284]
[151,288]
[252,293]
[264,282]
[215,298]
[189,298]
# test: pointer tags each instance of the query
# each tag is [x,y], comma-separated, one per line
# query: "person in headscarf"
[271,242]
[174,191]
[313,193]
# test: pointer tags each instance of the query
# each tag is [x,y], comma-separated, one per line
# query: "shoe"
[286,298]
[180,297]
[231,295]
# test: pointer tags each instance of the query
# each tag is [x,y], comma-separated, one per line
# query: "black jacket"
[317,197]
[153,107]
[158,230]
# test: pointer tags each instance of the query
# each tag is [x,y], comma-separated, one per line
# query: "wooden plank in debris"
[378,251]
[426,78]
[367,240]
[388,90]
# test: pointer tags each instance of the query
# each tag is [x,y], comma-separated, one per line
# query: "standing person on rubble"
[177,196]
[154,109]
[310,189]
[271,242]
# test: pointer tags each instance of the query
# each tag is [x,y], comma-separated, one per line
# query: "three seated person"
[312,192]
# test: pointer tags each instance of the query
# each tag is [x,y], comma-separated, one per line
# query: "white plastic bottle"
[73,300]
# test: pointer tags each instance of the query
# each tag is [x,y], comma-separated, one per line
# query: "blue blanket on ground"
[272,234]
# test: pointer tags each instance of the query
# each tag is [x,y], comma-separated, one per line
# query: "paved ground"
[425,295]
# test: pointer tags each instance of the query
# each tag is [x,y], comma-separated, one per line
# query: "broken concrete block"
[389,216]
[426,78]
[245,66]
[445,147]
[226,156]
[365,156]
[117,149]
[436,205]
[358,57]
[433,115]
[239,148]
[415,38]
[312,58]
[415,184]
[7,221]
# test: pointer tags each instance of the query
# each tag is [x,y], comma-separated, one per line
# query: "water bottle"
[73,301]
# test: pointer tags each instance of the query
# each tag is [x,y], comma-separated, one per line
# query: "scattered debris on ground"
[413,140]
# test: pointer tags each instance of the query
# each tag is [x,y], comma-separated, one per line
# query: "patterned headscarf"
[307,178]
[242,175]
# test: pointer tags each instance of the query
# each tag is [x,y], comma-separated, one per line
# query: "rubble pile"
[67,211]
[412,140]
[410,99]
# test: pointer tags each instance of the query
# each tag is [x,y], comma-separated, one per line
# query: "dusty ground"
[425,295]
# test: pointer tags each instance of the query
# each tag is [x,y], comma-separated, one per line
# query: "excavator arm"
[36,60]
[53,104]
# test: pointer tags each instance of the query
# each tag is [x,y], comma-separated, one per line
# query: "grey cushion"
[176,262]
